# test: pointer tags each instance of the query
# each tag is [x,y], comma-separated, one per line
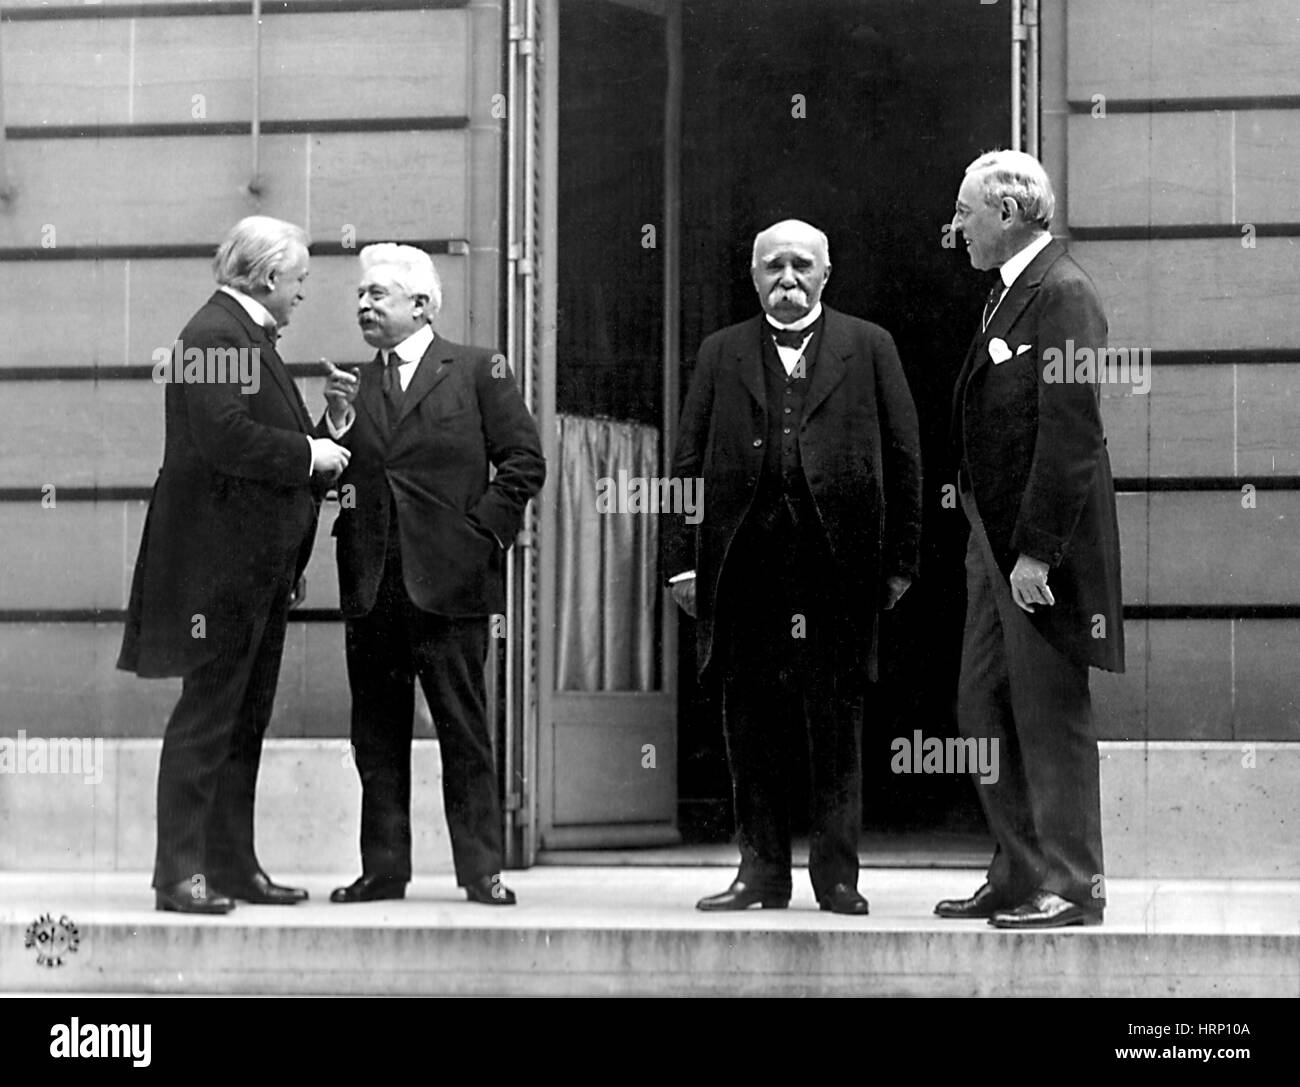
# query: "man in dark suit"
[1042,564]
[801,425]
[226,539]
[422,535]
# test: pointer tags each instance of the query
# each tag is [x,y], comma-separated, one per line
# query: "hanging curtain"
[607,585]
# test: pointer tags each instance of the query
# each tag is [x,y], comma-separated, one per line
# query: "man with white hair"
[801,424]
[229,530]
[1042,564]
[422,535]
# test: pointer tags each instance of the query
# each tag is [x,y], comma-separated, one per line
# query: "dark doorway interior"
[898,96]
[609,275]
[859,116]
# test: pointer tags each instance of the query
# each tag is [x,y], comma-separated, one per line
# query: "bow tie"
[787,337]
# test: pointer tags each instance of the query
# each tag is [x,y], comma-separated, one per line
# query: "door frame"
[532,168]
[534,706]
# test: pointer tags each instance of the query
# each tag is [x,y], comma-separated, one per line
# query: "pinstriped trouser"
[1017,689]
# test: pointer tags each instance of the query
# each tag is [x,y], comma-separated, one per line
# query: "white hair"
[411,269]
[799,226]
[1019,176]
[255,247]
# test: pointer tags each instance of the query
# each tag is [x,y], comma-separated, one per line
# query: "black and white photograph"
[651,498]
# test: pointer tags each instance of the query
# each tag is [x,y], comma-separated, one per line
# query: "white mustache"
[796,294]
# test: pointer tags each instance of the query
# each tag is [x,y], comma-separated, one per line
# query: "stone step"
[610,931]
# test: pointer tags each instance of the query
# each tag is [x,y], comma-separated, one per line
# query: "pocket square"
[998,350]
[1023,348]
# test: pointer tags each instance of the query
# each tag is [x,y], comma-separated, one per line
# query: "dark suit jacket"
[1039,471]
[233,509]
[461,413]
[859,446]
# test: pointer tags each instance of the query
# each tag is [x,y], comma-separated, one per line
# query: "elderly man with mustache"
[421,558]
[802,427]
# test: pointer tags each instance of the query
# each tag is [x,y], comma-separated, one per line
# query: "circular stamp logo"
[53,940]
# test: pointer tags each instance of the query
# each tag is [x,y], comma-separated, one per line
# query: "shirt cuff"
[685,575]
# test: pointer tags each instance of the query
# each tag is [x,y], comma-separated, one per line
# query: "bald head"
[790,265]
[791,230]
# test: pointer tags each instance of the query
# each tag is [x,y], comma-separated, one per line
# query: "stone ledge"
[634,931]
[1169,809]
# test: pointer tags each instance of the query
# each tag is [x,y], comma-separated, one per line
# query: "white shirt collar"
[803,322]
[1013,266]
[258,312]
[412,348]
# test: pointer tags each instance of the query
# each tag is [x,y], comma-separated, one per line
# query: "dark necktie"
[991,303]
[392,385]
[786,337]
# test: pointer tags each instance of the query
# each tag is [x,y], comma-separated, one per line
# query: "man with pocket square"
[422,534]
[1042,563]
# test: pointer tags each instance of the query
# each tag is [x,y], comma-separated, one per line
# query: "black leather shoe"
[370,889]
[259,889]
[191,896]
[740,896]
[1045,910]
[983,903]
[490,891]
[845,899]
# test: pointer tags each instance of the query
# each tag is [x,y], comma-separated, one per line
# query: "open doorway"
[859,116]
